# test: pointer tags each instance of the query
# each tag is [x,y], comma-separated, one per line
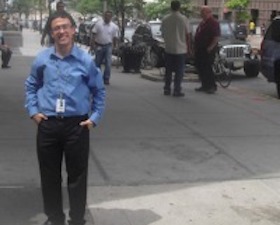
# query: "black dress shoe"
[178,94]
[5,67]
[211,90]
[167,92]
[200,89]
[48,222]
[126,71]
[106,82]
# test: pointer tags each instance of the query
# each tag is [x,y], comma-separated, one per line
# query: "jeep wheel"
[154,59]
[278,89]
[252,68]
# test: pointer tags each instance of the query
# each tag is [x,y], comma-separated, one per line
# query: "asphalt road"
[155,160]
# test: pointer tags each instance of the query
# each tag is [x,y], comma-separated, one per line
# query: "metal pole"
[41,16]
[222,10]
[105,3]
[49,7]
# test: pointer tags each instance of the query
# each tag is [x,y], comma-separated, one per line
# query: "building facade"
[260,11]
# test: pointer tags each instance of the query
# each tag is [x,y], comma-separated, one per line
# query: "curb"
[157,76]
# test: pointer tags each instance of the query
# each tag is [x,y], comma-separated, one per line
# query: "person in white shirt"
[104,39]
[176,33]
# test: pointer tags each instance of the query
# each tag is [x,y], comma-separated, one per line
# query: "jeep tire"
[252,68]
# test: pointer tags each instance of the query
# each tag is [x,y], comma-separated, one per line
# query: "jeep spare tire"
[252,68]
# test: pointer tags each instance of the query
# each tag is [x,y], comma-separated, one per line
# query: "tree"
[239,6]
[236,4]
[160,8]
[89,6]
[23,7]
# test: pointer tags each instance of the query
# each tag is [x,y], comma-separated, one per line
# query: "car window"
[194,27]
[156,29]
[128,33]
[226,30]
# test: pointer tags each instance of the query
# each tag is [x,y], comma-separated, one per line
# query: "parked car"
[237,53]
[270,53]
[128,33]
[155,28]
[240,30]
[147,33]
[84,32]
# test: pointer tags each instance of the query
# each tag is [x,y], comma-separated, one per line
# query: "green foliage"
[22,6]
[237,4]
[242,16]
[26,6]
[88,6]
[160,8]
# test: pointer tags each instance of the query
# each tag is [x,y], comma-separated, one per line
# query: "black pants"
[6,56]
[203,63]
[55,138]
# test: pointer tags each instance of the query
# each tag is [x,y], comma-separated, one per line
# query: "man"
[59,8]
[5,51]
[205,44]
[104,39]
[175,31]
[65,97]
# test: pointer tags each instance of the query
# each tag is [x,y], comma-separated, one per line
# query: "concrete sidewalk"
[154,160]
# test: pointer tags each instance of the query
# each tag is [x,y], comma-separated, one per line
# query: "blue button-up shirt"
[74,78]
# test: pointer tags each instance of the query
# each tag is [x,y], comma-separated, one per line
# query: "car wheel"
[252,68]
[278,89]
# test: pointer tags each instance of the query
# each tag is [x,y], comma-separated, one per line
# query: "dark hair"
[60,3]
[62,14]
[175,5]
[108,11]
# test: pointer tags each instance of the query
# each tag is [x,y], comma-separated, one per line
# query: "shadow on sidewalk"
[124,216]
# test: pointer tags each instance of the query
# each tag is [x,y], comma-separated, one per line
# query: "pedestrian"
[104,39]
[47,33]
[205,47]
[35,25]
[263,29]
[65,97]
[6,52]
[176,33]
[252,28]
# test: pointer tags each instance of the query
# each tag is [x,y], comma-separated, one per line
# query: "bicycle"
[221,71]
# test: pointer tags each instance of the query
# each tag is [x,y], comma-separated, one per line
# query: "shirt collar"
[74,52]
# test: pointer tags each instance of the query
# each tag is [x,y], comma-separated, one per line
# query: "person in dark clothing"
[205,46]
[46,32]
[6,53]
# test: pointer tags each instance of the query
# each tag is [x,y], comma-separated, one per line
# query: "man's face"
[107,17]
[60,7]
[62,31]
[205,13]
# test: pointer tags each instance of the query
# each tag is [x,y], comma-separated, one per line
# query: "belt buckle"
[60,117]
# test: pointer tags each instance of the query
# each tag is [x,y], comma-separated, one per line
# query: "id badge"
[60,105]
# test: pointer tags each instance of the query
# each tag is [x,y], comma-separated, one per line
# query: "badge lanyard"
[60,101]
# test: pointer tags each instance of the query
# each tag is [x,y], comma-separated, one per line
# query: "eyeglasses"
[63,27]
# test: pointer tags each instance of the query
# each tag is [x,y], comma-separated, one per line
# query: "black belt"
[102,44]
[62,117]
